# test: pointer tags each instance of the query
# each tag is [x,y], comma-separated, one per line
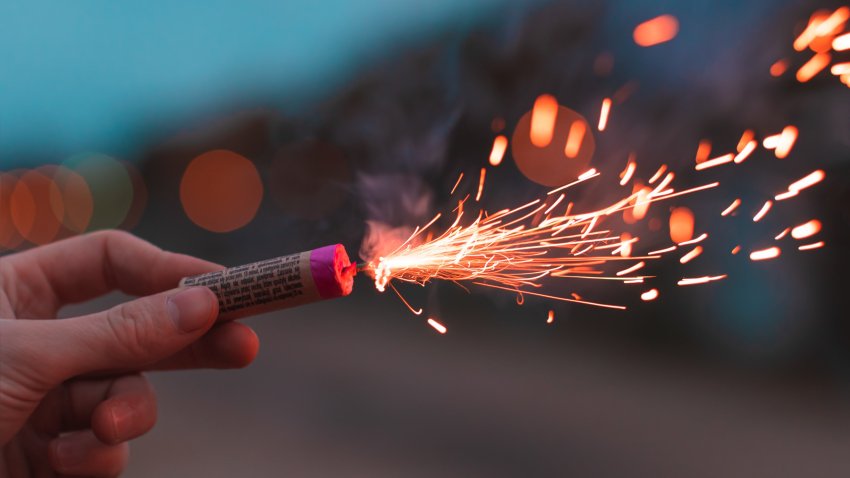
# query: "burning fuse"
[279,283]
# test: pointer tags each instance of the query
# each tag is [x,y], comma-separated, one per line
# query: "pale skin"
[72,391]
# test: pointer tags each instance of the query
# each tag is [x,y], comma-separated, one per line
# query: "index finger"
[84,267]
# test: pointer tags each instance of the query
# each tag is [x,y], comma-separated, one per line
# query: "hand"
[71,391]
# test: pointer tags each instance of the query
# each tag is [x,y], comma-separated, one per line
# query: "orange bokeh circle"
[10,238]
[221,191]
[34,207]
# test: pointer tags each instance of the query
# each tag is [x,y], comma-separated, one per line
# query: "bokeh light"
[10,238]
[681,224]
[221,191]
[657,30]
[110,186]
[564,157]
[33,210]
[71,200]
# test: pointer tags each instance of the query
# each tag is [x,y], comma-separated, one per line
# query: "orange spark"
[703,150]
[603,114]
[658,174]
[810,32]
[812,67]
[736,249]
[833,22]
[764,254]
[587,174]
[631,269]
[764,209]
[746,137]
[543,116]
[456,184]
[778,68]
[657,30]
[627,173]
[785,195]
[575,138]
[726,158]
[807,229]
[810,180]
[500,144]
[839,69]
[786,141]
[841,42]
[663,251]
[701,238]
[550,317]
[691,255]
[745,152]
[700,280]
[649,295]
[437,326]
[729,210]
[626,244]
[481,184]
[782,234]
[681,224]
[808,247]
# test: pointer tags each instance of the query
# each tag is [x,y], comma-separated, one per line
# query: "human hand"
[71,392]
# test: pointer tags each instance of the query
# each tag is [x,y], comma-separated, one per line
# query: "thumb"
[134,334]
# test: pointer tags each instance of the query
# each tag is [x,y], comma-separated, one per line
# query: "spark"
[841,42]
[703,150]
[746,137]
[691,255]
[575,138]
[543,116]
[786,141]
[681,224]
[700,280]
[649,295]
[745,152]
[663,251]
[764,254]
[500,144]
[603,114]
[657,30]
[481,184]
[785,195]
[833,22]
[657,175]
[807,229]
[550,317]
[456,184]
[809,33]
[701,238]
[736,249]
[729,210]
[814,245]
[812,67]
[778,68]
[590,173]
[627,173]
[839,69]
[809,180]
[726,158]
[437,326]
[782,234]
[631,269]
[764,209]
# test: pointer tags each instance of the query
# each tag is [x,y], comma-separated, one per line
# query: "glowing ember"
[807,229]
[657,30]
[840,69]
[700,280]
[812,67]
[603,114]
[500,144]
[703,150]
[649,295]
[810,32]
[481,184]
[814,245]
[809,180]
[701,238]
[691,255]
[550,317]
[764,209]
[436,325]
[681,224]
[726,158]
[782,234]
[729,210]
[786,141]
[764,254]
[627,173]
[631,269]
[841,43]
[745,152]
[543,117]
[736,250]
[778,68]
[746,137]
[574,139]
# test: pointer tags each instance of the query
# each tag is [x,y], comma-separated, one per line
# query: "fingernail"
[67,453]
[190,308]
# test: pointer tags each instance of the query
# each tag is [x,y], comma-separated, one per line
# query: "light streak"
[807,229]
[500,144]
[736,250]
[786,141]
[657,30]
[833,22]
[745,152]
[729,210]
[550,317]
[809,180]
[543,116]
[681,224]
[456,184]
[696,240]
[782,234]
[778,68]
[809,33]
[590,173]
[726,158]
[627,173]
[814,245]
[691,255]
[631,269]
[703,150]
[764,209]
[575,138]
[481,184]
[658,174]
[436,325]
[839,69]
[764,254]
[663,251]
[785,195]
[649,295]
[603,114]
[812,67]
[746,137]
[841,42]
[700,280]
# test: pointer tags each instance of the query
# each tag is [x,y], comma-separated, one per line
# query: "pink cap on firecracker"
[333,272]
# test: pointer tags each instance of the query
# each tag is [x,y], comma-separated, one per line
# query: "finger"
[81,453]
[83,267]
[127,337]
[227,345]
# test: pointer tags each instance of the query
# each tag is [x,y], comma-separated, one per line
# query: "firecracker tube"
[279,283]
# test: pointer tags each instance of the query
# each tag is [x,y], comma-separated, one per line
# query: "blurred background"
[242,131]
